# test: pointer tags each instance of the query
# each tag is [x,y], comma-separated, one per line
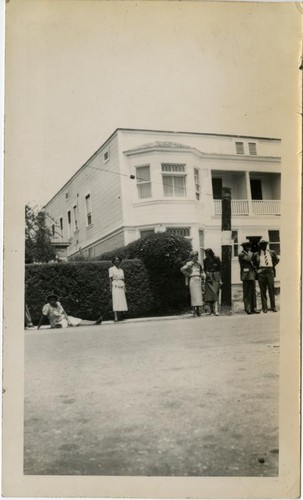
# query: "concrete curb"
[155,318]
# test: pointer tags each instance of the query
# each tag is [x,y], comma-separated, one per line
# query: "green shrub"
[83,288]
[163,255]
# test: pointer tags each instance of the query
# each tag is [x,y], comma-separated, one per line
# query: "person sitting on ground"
[58,318]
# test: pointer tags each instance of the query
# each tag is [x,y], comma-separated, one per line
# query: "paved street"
[182,397]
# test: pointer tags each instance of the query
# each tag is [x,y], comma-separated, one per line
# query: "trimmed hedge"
[163,255]
[83,288]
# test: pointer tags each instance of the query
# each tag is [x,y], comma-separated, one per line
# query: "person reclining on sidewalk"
[58,318]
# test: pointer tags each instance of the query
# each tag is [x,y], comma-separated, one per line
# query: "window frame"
[197,183]
[76,219]
[142,182]
[88,213]
[252,148]
[106,153]
[215,178]
[69,224]
[171,230]
[235,244]
[274,245]
[239,145]
[180,173]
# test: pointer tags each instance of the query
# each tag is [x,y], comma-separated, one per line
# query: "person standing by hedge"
[212,269]
[117,286]
[193,274]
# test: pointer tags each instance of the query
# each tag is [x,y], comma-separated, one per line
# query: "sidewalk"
[236,313]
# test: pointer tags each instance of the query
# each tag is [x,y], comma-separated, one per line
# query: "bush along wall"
[163,255]
[83,288]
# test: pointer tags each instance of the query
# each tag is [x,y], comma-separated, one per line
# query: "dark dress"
[212,268]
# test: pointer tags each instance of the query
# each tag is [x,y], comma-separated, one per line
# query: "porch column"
[248,191]
[226,247]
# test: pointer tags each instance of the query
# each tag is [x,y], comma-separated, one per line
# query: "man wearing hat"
[265,261]
[248,277]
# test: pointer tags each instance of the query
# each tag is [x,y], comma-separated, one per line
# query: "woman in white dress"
[117,286]
[58,318]
[193,273]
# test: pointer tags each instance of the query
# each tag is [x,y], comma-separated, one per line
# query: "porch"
[250,207]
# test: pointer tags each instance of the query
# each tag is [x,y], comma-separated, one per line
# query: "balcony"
[253,207]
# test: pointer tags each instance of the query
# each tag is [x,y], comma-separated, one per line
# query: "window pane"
[144,190]
[239,148]
[274,235]
[252,148]
[180,186]
[168,185]
[173,167]
[179,231]
[143,174]
[234,237]
[274,240]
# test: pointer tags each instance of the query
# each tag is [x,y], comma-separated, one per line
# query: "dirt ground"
[182,397]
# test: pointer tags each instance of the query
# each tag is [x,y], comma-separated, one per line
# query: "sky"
[76,71]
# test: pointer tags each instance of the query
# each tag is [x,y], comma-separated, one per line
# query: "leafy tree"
[38,247]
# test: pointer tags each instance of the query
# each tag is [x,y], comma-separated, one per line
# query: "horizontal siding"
[109,244]
[105,191]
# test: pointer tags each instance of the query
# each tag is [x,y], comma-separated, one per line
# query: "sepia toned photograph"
[152,178]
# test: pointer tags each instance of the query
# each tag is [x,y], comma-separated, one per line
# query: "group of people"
[259,265]
[254,266]
[57,316]
[193,271]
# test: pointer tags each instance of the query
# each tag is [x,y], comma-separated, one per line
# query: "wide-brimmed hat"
[264,242]
[246,243]
[52,296]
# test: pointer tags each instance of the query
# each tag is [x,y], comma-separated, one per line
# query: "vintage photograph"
[153,145]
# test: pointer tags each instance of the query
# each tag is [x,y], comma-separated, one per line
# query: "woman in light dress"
[58,318]
[117,287]
[193,273]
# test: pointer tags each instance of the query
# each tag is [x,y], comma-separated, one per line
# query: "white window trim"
[249,148]
[240,142]
[174,174]
[104,153]
[69,224]
[197,184]
[141,182]
[76,229]
[61,230]
[91,210]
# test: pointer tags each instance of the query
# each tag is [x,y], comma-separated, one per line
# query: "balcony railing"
[254,207]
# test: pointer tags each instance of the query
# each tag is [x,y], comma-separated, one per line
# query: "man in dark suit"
[265,261]
[248,277]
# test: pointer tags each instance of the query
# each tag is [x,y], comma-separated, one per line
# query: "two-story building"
[141,181]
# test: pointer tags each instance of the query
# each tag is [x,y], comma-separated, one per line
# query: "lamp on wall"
[160,228]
